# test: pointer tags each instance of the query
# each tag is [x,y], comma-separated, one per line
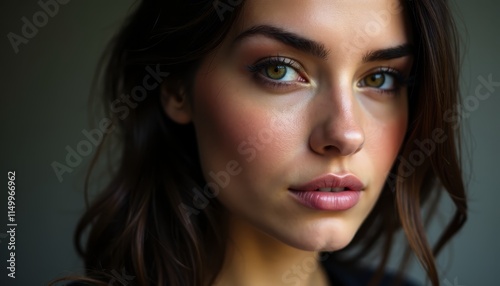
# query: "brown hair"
[136,223]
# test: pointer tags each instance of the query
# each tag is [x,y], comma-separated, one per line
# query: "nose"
[337,130]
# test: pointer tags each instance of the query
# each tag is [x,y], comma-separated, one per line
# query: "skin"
[326,120]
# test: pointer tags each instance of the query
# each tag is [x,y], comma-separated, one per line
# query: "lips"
[335,190]
[329,192]
[333,182]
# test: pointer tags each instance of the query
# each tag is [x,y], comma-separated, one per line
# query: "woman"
[275,142]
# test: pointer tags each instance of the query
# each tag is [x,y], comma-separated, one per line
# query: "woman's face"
[298,91]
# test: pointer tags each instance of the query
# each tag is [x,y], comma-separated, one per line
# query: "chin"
[321,244]
[319,238]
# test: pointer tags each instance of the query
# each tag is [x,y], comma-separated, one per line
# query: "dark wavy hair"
[136,224]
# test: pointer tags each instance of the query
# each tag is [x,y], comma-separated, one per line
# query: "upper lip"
[347,181]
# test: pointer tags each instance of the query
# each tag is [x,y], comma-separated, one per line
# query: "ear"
[175,103]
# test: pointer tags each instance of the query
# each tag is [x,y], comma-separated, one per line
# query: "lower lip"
[327,201]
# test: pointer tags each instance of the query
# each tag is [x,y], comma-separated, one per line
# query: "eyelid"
[278,85]
[276,60]
[399,77]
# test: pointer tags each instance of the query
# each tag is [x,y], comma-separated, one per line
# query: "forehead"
[350,25]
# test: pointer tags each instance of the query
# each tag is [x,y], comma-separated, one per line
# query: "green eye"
[386,80]
[375,80]
[276,71]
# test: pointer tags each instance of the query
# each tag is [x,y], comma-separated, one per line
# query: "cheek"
[231,125]
[383,141]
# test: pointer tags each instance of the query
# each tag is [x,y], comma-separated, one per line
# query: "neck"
[255,258]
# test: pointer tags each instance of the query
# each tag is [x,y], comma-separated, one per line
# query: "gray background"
[44,108]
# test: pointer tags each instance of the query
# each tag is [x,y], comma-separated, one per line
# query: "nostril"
[327,140]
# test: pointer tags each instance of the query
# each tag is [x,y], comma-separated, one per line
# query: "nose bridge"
[338,129]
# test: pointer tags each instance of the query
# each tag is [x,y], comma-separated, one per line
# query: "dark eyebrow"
[389,53]
[291,39]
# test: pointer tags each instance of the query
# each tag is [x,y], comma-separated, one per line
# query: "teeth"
[330,189]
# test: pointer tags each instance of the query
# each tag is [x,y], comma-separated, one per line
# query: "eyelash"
[400,80]
[257,68]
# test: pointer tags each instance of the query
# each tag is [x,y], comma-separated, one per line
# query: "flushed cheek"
[383,144]
[230,126]
[384,127]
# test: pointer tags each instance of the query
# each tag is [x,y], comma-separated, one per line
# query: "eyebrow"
[389,53]
[288,38]
[318,49]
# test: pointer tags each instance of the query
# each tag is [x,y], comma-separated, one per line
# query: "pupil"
[276,72]
[377,80]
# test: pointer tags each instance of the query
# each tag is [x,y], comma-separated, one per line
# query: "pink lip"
[309,196]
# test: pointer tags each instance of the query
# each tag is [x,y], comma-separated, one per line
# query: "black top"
[340,275]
